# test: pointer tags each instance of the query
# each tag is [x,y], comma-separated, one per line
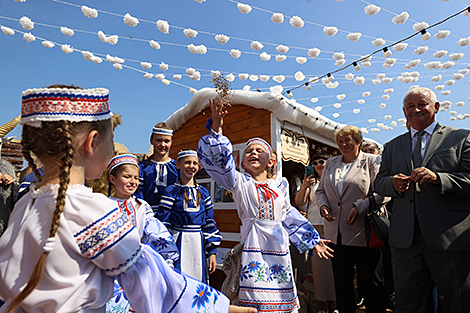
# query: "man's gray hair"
[420,90]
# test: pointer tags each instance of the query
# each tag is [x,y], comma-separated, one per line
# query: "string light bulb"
[357,67]
[425,35]
[330,77]
[307,86]
[290,95]
[387,52]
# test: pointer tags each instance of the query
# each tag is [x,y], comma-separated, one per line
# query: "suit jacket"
[443,210]
[357,186]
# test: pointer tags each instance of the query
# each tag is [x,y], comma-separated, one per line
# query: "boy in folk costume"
[186,210]
[64,244]
[268,219]
[159,170]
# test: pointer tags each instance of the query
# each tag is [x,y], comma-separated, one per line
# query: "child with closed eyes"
[268,219]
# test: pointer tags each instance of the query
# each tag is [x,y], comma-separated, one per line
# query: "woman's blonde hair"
[354,131]
[53,140]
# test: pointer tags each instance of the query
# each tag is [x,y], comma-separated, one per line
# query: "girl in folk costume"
[69,265]
[159,170]
[124,175]
[186,210]
[268,219]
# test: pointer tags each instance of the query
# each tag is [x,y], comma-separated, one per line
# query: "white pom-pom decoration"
[222,39]
[265,57]
[279,79]
[190,33]
[300,60]
[456,56]
[29,37]
[359,80]
[112,39]
[435,65]
[366,94]
[178,77]
[230,77]
[457,76]
[400,46]
[280,58]
[66,31]
[163,66]
[243,8]
[145,65]
[89,12]
[371,9]
[349,76]
[282,49]
[394,124]
[235,53]
[387,80]
[440,54]
[253,78]
[200,1]
[372,121]
[445,92]
[330,31]
[354,36]
[117,66]
[335,115]
[361,101]
[192,90]
[387,117]
[460,104]
[464,71]
[412,63]
[26,23]
[401,18]
[447,65]
[332,85]
[442,34]
[450,82]
[436,78]
[155,45]
[299,76]
[102,36]
[243,76]
[356,111]
[389,91]
[338,56]
[48,44]
[264,78]
[277,18]
[420,26]
[7,31]
[201,49]
[337,105]
[340,62]
[439,87]
[297,22]
[453,113]
[385,97]
[383,105]
[130,20]
[163,26]
[277,90]
[378,42]
[87,55]
[376,81]
[341,96]
[464,41]
[256,45]
[314,52]
[148,75]
[421,50]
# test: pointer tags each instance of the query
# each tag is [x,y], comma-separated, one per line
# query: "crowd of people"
[149,245]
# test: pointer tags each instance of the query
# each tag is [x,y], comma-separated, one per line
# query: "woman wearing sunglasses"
[322,271]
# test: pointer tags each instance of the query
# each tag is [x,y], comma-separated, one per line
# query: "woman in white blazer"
[342,197]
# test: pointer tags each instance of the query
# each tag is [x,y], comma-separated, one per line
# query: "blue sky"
[143,102]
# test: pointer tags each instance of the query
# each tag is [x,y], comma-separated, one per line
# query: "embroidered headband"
[186,153]
[260,142]
[122,159]
[64,104]
[162,131]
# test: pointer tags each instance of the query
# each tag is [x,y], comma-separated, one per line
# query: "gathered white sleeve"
[215,154]
[151,285]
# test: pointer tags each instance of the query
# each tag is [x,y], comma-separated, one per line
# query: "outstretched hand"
[218,114]
[322,249]
[240,309]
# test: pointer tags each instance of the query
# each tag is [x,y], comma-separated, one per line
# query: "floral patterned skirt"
[266,281]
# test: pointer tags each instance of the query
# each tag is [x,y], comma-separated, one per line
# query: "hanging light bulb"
[307,86]
[387,53]
[289,94]
[425,35]
[330,77]
[357,67]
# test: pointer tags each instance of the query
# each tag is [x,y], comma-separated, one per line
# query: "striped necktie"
[417,157]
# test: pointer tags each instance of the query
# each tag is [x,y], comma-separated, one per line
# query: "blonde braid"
[63,134]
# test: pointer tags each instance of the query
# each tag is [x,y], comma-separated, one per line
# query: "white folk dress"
[266,281]
[94,244]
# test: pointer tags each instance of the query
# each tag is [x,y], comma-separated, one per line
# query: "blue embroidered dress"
[154,177]
[151,232]
[266,281]
[95,243]
[192,226]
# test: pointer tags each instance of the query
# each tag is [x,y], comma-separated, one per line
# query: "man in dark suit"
[427,172]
